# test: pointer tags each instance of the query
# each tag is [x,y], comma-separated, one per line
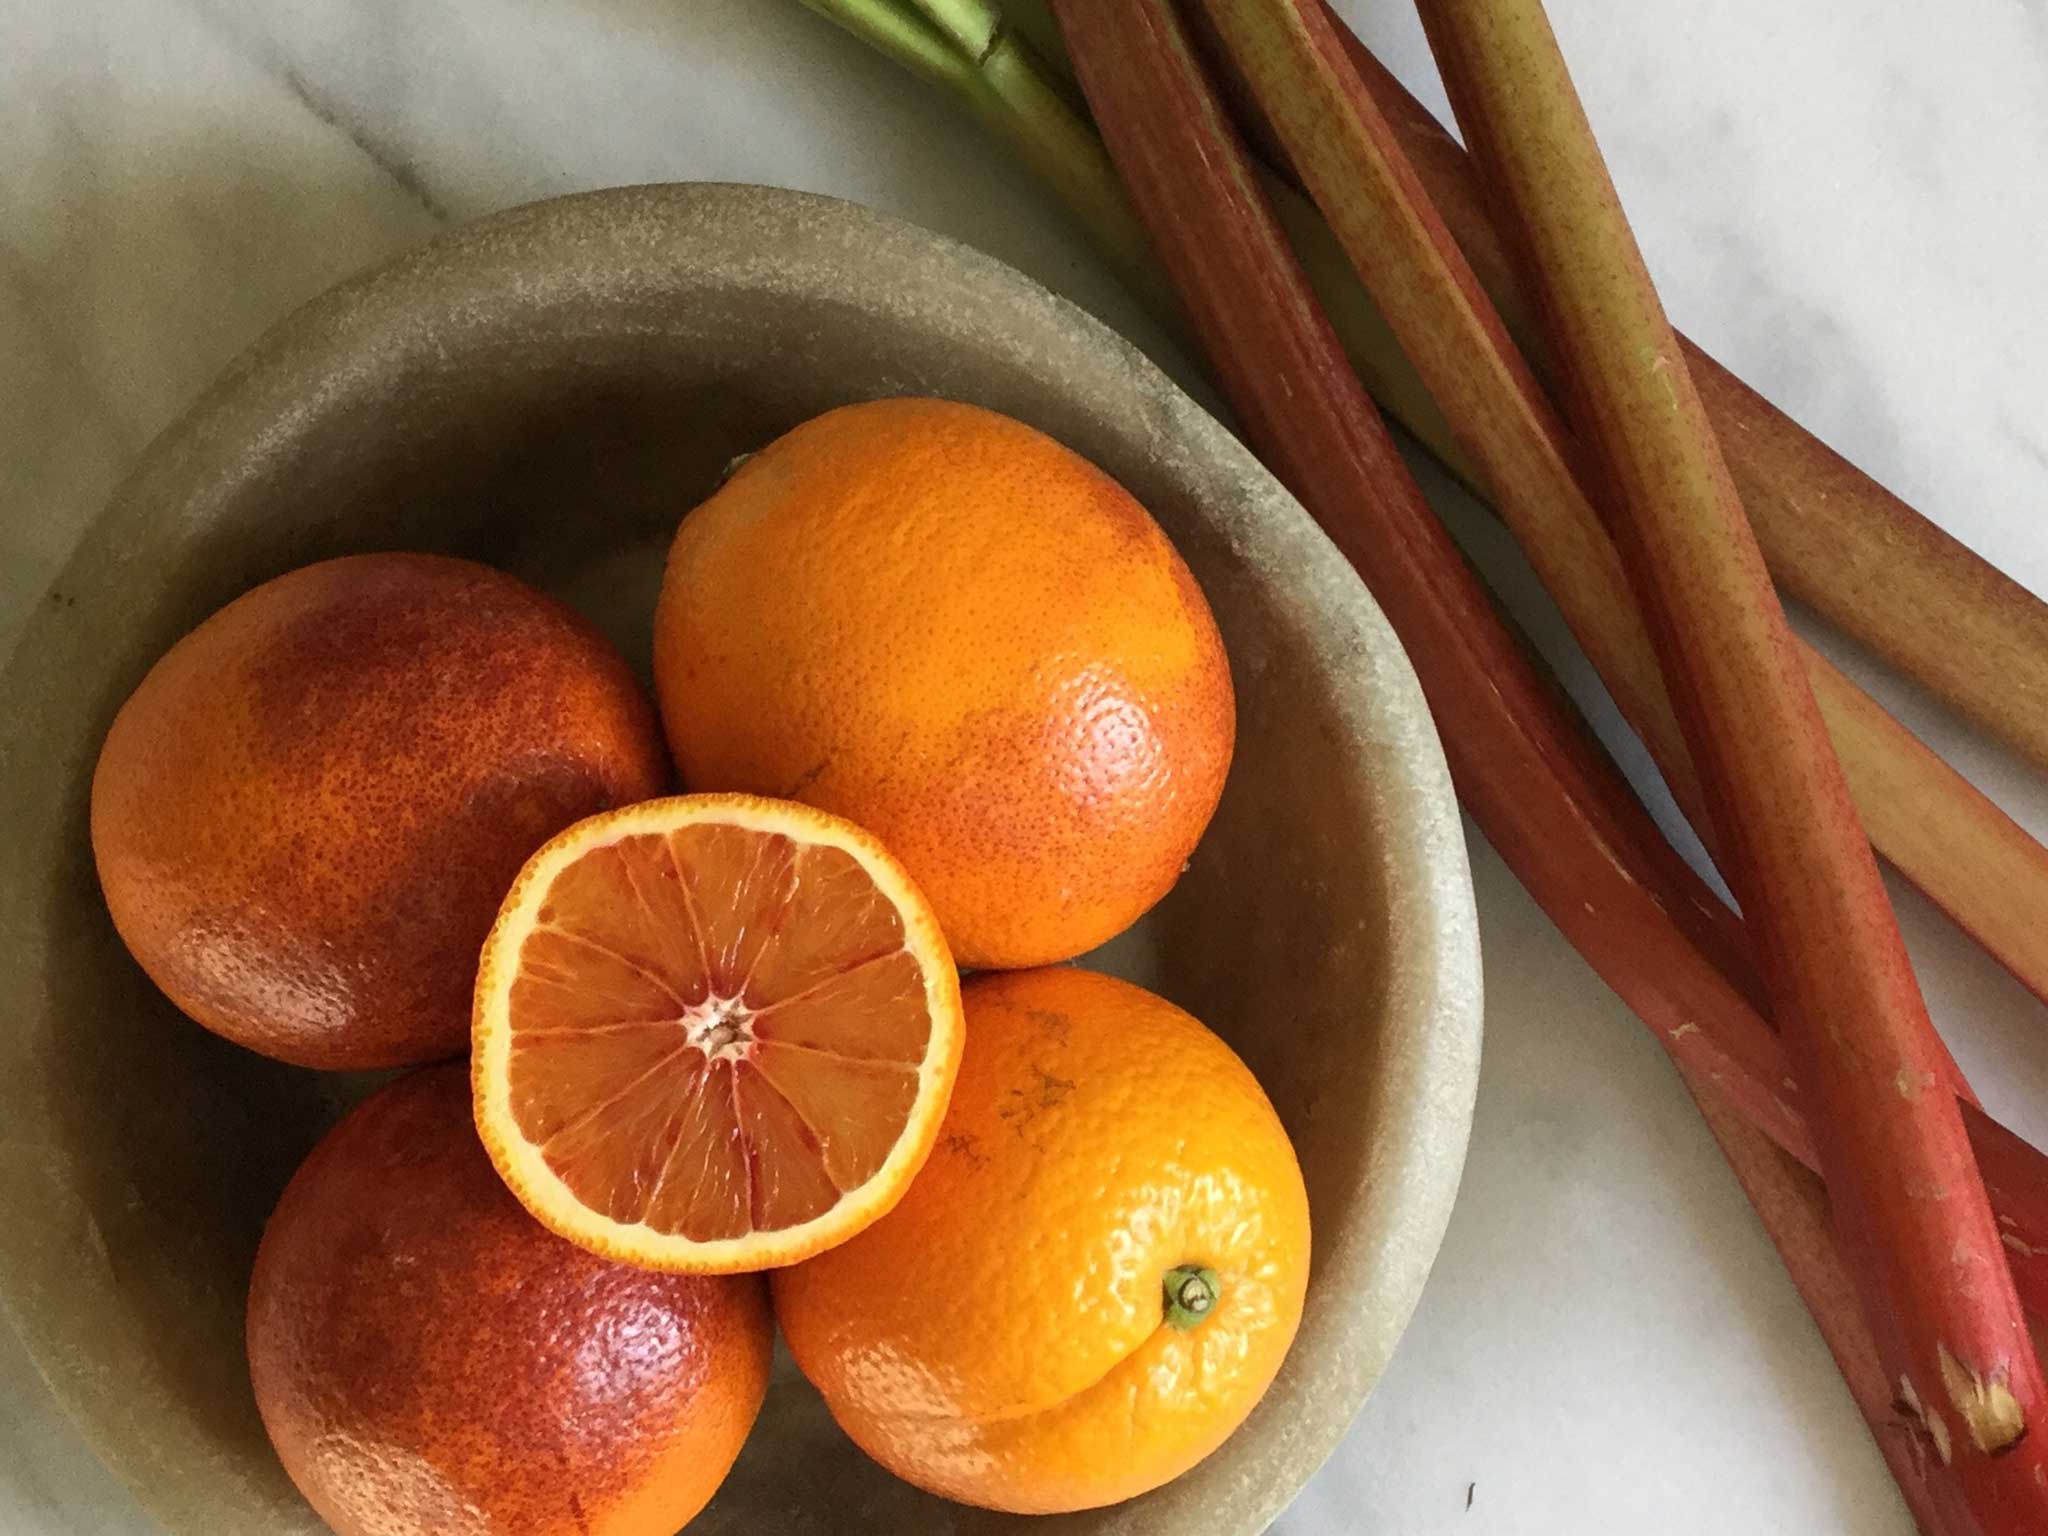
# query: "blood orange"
[430,1362]
[713,1033]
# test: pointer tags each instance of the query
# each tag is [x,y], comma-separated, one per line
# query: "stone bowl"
[549,390]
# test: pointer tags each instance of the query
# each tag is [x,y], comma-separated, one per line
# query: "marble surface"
[1843,201]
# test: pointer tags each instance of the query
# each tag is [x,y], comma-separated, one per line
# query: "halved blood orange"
[713,1033]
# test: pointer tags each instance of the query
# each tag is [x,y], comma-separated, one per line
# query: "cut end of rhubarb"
[1989,1410]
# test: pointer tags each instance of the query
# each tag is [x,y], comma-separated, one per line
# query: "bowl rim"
[679,234]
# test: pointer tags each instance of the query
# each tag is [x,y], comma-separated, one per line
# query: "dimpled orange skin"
[430,1361]
[999,1337]
[307,814]
[943,625]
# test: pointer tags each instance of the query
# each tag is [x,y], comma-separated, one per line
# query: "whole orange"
[307,814]
[430,1361]
[943,625]
[1093,1279]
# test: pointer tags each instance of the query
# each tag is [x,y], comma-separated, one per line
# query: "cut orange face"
[713,1033]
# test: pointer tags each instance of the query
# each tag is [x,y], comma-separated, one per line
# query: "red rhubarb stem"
[1910,1204]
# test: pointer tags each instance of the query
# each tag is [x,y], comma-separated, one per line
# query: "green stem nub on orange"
[1192,1291]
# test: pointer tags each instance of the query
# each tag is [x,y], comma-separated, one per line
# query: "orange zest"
[713,1033]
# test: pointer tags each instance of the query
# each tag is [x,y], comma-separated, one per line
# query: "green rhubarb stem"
[1907,1193]
[972,26]
[1035,20]
[900,31]
[1946,836]
[1006,85]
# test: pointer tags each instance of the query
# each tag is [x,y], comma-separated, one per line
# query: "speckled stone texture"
[549,390]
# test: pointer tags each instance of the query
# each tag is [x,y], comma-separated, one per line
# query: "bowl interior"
[549,391]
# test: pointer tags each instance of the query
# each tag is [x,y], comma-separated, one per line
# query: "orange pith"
[712,1033]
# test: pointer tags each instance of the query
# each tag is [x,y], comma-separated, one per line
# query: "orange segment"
[713,1033]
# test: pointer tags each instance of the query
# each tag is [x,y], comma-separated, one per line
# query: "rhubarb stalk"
[1908,1198]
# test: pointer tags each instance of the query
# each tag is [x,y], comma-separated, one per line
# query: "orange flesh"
[715,1031]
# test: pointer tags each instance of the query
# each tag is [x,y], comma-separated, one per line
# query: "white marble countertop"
[1844,201]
